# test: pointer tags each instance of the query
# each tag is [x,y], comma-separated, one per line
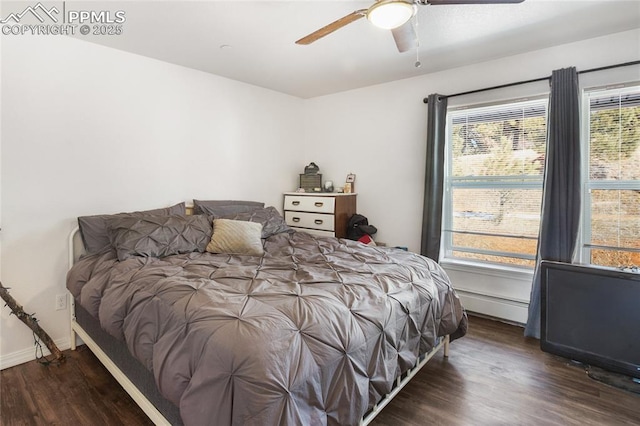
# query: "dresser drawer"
[305,203]
[325,222]
[316,232]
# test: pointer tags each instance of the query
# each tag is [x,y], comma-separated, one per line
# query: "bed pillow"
[236,237]
[158,236]
[93,229]
[221,208]
[272,222]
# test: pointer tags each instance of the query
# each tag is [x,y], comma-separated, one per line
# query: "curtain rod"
[535,80]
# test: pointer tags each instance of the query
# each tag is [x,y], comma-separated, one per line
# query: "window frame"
[588,185]
[527,182]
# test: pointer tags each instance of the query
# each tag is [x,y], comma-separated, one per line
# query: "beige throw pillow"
[236,237]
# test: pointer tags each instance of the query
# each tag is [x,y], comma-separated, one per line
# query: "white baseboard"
[29,354]
[510,310]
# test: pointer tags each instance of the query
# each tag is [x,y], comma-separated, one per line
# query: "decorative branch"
[31,322]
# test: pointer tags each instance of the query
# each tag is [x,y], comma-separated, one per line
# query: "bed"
[289,328]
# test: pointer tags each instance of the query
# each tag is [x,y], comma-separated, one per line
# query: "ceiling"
[261,36]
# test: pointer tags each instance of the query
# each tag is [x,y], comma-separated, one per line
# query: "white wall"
[379,133]
[88,129]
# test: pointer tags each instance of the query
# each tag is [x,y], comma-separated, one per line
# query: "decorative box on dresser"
[319,213]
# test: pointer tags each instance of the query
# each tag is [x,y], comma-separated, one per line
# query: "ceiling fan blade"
[405,37]
[335,25]
[446,2]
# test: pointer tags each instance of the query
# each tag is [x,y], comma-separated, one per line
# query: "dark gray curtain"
[561,194]
[434,177]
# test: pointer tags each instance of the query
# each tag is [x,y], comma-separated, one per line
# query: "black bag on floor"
[358,226]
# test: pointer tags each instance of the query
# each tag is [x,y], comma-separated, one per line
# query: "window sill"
[495,270]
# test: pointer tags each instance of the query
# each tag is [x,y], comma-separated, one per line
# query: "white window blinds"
[612,199]
[494,182]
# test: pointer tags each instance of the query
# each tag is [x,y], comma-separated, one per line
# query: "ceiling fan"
[392,15]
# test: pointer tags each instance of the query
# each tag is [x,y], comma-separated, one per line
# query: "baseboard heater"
[592,315]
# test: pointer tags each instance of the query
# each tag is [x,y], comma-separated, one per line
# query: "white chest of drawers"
[323,214]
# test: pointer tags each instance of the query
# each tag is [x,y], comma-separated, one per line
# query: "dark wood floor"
[494,376]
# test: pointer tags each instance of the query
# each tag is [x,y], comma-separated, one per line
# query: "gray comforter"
[313,332]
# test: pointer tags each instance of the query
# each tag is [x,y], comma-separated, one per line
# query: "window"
[493,183]
[611,223]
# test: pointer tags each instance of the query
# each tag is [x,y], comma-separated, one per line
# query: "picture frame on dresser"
[350,183]
[324,214]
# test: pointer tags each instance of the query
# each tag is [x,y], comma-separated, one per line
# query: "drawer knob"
[296,219]
[295,203]
[319,204]
[318,221]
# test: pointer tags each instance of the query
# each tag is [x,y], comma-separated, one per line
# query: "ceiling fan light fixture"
[390,14]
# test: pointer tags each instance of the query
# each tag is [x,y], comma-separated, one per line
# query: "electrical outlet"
[61,302]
